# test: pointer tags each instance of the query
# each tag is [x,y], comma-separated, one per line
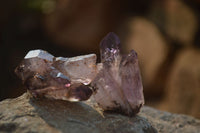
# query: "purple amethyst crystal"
[47,76]
[118,84]
[116,80]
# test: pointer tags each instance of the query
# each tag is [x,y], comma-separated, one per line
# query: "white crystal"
[39,54]
[61,59]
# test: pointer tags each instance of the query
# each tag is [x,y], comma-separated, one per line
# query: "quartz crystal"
[79,69]
[118,83]
[57,78]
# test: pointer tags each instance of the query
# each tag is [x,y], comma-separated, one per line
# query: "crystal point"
[118,83]
[109,47]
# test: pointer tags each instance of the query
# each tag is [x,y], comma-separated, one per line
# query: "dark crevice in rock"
[8,127]
[20,116]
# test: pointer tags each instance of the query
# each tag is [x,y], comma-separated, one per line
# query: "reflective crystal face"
[118,84]
[79,69]
[45,75]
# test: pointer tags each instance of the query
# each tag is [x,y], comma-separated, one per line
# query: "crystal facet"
[79,69]
[118,84]
[45,75]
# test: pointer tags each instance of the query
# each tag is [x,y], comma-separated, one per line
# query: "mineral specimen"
[118,84]
[58,78]
[116,81]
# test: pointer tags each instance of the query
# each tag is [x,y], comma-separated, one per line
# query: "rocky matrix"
[118,83]
[48,76]
[25,115]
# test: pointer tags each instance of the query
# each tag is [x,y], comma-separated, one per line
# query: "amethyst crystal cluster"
[118,82]
[115,83]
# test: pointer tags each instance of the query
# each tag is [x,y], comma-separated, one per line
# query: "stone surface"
[59,78]
[166,122]
[183,84]
[25,115]
[29,115]
[118,84]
